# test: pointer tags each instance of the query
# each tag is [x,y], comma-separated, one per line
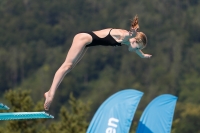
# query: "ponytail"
[135,23]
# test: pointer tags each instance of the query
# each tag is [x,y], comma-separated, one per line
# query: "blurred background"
[35,37]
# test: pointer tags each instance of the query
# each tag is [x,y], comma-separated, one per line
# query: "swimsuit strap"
[110,31]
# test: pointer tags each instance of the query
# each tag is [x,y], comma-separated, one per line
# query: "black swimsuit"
[106,41]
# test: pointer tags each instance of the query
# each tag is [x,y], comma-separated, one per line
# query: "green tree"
[69,121]
[20,101]
[186,118]
[74,120]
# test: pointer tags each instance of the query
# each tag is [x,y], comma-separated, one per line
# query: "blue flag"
[116,113]
[158,115]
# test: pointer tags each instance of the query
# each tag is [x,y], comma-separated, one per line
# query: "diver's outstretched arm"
[141,54]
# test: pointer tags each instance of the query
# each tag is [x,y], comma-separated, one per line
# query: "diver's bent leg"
[74,55]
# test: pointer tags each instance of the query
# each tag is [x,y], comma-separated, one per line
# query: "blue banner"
[158,115]
[116,113]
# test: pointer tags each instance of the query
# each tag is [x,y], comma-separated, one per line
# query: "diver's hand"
[146,56]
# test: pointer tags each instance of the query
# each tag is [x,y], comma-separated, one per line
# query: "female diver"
[134,40]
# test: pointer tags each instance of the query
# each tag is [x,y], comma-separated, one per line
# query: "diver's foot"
[48,100]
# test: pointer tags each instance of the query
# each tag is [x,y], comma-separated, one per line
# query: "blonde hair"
[141,38]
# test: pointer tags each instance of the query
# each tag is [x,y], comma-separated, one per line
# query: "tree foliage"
[35,37]
[69,121]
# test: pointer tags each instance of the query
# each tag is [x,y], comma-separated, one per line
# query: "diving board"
[2,106]
[24,115]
